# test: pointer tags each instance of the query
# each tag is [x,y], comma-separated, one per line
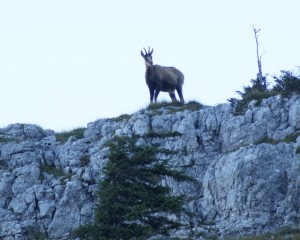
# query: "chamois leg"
[151,95]
[172,96]
[156,95]
[179,91]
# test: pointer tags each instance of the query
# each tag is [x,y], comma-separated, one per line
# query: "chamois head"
[147,56]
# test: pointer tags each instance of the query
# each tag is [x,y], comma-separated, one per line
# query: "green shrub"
[257,91]
[65,135]
[287,84]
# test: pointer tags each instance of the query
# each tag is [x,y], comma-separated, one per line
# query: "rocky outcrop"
[247,169]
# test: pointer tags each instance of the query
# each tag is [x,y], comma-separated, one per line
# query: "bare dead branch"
[259,57]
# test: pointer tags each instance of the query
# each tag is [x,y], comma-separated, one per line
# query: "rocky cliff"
[247,168]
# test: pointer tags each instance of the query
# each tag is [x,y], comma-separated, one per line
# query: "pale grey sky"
[64,63]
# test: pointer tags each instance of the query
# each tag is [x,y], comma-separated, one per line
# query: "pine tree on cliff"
[133,204]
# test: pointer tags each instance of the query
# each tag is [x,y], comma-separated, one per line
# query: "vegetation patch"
[287,84]
[249,94]
[84,161]
[120,118]
[65,135]
[167,151]
[292,137]
[267,140]
[152,134]
[163,104]
[3,164]
[173,107]
[6,139]
[191,106]
[52,170]
[288,139]
[286,233]
[36,235]
[132,203]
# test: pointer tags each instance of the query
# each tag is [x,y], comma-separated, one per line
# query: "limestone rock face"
[247,169]
[252,188]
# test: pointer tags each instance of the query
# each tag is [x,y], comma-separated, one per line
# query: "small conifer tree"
[132,203]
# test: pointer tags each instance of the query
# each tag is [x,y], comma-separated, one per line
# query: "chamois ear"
[142,54]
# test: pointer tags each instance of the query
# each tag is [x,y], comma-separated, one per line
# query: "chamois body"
[162,79]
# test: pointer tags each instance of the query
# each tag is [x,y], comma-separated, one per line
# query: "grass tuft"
[65,135]
[3,164]
[286,233]
[288,139]
[84,161]
[52,170]
[152,134]
[267,140]
[175,106]
[292,137]
[6,140]
[121,118]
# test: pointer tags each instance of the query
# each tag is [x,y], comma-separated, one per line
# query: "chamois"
[159,78]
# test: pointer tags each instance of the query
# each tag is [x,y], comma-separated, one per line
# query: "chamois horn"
[149,52]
